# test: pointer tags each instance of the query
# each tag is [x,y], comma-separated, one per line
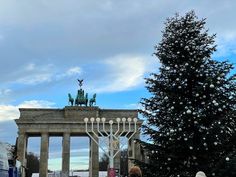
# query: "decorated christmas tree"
[191,111]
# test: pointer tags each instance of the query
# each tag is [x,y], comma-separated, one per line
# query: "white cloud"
[70,72]
[35,79]
[32,75]
[125,72]
[30,67]
[36,104]
[225,45]
[10,112]
[82,150]
[5,91]
[73,71]
[133,106]
[229,36]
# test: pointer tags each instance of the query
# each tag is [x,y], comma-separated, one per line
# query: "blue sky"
[46,45]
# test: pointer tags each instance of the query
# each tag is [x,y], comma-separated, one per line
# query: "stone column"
[134,151]
[93,158]
[66,155]
[43,164]
[21,150]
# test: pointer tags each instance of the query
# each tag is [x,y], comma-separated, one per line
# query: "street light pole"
[112,136]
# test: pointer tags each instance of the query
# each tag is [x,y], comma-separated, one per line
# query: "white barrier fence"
[74,174]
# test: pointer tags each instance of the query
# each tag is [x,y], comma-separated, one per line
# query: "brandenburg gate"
[67,122]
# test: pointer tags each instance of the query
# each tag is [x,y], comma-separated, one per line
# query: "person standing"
[135,172]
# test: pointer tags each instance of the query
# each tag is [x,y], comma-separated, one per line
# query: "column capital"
[66,133]
[44,133]
[21,132]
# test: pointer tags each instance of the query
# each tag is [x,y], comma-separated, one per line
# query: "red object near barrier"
[111,172]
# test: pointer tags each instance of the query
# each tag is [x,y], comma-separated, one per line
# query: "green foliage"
[103,163]
[32,164]
[191,112]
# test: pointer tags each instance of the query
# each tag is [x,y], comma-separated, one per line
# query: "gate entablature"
[70,118]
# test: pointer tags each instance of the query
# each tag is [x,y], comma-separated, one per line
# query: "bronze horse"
[92,100]
[71,100]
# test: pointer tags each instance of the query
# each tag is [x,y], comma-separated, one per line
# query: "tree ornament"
[216,104]
[212,86]
[189,111]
